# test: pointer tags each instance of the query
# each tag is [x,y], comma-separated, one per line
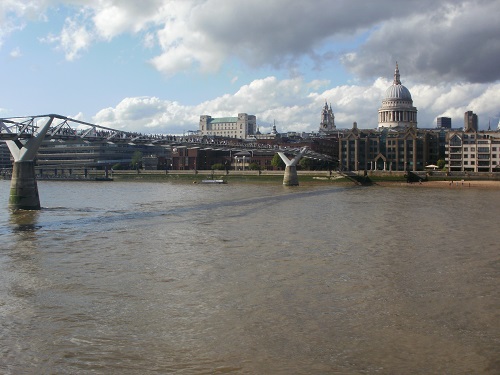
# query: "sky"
[155,66]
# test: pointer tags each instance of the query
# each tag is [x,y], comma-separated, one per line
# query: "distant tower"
[274,131]
[327,124]
[470,121]
[444,122]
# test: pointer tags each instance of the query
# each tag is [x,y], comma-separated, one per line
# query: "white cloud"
[296,105]
[435,41]
[12,16]
[73,39]
[114,17]
[147,114]
[15,53]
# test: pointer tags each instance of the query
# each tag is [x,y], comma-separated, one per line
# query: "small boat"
[213,181]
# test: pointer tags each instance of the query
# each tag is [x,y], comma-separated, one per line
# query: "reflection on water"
[24,220]
[190,279]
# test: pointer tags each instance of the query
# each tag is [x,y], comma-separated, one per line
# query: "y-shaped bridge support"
[290,178]
[23,187]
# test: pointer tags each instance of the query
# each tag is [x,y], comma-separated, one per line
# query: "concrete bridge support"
[23,186]
[291,178]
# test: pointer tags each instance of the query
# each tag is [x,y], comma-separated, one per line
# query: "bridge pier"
[291,178]
[23,187]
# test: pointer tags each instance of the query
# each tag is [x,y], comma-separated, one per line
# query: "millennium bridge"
[24,136]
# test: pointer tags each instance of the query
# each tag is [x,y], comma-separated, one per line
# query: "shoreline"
[461,184]
[305,179]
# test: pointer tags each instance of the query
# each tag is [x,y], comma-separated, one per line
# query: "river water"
[162,278]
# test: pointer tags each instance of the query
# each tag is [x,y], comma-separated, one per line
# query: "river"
[178,278]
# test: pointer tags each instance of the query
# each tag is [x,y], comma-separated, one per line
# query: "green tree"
[136,160]
[306,164]
[253,166]
[441,163]
[277,162]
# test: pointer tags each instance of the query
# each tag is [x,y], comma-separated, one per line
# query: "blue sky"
[155,66]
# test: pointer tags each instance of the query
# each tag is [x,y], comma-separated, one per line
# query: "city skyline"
[157,66]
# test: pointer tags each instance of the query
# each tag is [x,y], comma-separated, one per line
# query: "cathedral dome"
[397,106]
[398,91]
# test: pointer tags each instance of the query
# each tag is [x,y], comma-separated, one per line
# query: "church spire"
[397,81]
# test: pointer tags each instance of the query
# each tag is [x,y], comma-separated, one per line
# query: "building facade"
[443,122]
[388,149]
[240,127]
[470,121]
[397,107]
[471,151]
[53,155]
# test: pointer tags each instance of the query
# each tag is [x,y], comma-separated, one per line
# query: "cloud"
[13,15]
[439,41]
[112,18]
[148,114]
[447,42]
[296,104]
[73,39]
[15,53]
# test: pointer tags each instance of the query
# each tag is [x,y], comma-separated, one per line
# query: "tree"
[306,164]
[136,160]
[441,163]
[253,166]
[277,162]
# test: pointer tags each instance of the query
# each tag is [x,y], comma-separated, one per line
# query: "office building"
[470,121]
[443,122]
[240,127]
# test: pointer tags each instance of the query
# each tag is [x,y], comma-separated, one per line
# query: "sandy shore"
[481,184]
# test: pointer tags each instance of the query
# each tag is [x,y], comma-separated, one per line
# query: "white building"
[397,107]
[240,127]
[473,151]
